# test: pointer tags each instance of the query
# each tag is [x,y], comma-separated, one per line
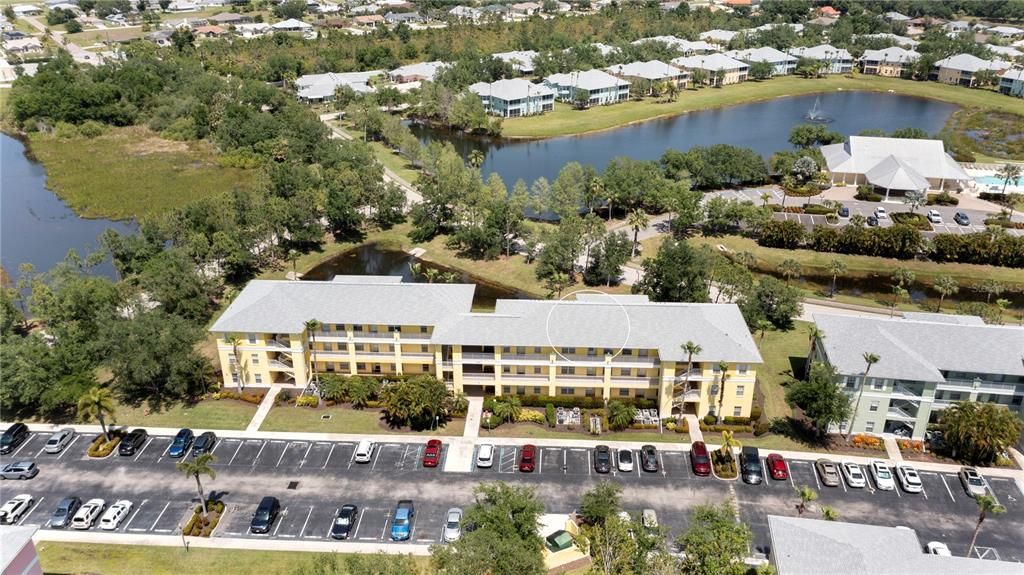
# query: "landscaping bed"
[724,464]
[100,447]
[343,418]
[916,221]
[199,526]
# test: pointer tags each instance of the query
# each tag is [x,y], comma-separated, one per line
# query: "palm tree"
[829,513]
[746,259]
[986,504]
[835,267]
[728,443]
[312,326]
[507,407]
[762,326]
[765,196]
[870,359]
[1009,173]
[899,293]
[200,465]
[991,288]
[691,350]
[1001,305]
[814,333]
[97,403]
[1012,199]
[723,367]
[946,286]
[620,415]
[237,368]
[293,257]
[638,220]
[806,495]
[790,268]
[476,158]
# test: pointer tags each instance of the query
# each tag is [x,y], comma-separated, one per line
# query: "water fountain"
[816,115]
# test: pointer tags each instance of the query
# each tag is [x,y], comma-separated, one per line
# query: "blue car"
[401,523]
[182,441]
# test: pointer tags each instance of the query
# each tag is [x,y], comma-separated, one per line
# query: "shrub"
[682,426]
[529,416]
[307,401]
[866,194]
[761,428]
[736,420]
[1004,222]
[239,158]
[755,413]
[710,419]
[101,448]
[818,209]
[284,397]
[491,422]
[644,426]
[65,131]
[942,199]
[916,221]
[549,414]
[670,425]
[91,129]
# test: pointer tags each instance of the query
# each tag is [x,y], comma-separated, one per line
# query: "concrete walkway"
[473,416]
[891,448]
[264,408]
[693,427]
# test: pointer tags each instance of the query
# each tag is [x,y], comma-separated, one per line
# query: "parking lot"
[313,479]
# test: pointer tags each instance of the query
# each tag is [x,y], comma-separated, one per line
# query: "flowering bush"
[531,416]
[867,442]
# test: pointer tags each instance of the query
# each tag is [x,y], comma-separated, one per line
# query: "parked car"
[649,519]
[699,459]
[58,441]
[854,476]
[938,548]
[750,466]
[934,216]
[117,513]
[649,459]
[66,509]
[882,476]
[88,514]
[19,470]
[182,441]
[844,212]
[364,451]
[485,456]
[452,525]
[204,443]
[527,458]
[265,515]
[625,457]
[12,437]
[909,479]
[432,454]
[13,510]
[777,466]
[962,218]
[132,442]
[401,521]
[972,481]
[880,213]
[344,521]
[828,471]
[602,459]
[872,221]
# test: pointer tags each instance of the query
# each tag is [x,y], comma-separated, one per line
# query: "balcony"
[900,391]
[900,413]
[513,378]
[420,354]
[477,377]
[688,395]
[641,360]
[477,355]
[695,373]
[531,357]
[578,358]
[981,386]
[373,335]
[631,381]
[417,336]
[279,343]
[278,365]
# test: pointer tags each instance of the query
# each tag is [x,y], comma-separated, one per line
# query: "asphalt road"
[314,479]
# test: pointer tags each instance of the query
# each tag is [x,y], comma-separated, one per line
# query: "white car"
[58,441]
[625,457]
[934,216]
[485,456]
[881,214]
[13,510]
[854,476]
[88,514]
[453,525]
[909,479]
[115,515]
[364,451]
[938,548]
[883,477]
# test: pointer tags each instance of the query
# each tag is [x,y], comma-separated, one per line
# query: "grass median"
[344,420]
[534,431]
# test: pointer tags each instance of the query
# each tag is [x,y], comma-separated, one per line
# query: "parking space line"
[235,454]
[943,478]
[331,525]
[661,459]
[22,446]
[280,520]
[590,467]
[35,506]
[306,454]
[385,531]
[283,451]
[326,461]
[41,449]
[143,450]
[376,455]
[540,461]
[306,522]
[68,448]
[258,453]
[814,472]
[134,515]
[153,527]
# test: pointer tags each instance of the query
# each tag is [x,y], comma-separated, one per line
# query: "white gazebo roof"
[894,174]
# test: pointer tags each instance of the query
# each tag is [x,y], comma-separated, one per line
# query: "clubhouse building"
[597,346]
[893,165]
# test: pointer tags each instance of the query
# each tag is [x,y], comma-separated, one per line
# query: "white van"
[485,455]
[364,451]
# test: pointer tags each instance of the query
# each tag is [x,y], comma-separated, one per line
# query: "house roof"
[226,18]
[512,89]
[712,62]
[901,40]
[821,52]
[589,80]
[319,86]
[523,59]
[813,546]
[1007,51]
[684,46]
[425,69]
[860,154]
[605,49]
[892,54]
[12,540]
[762,54]
[615,324]
[971,63]
[919,349]
[725,36]
[896,17]
[894,174]
[1006,30]
[943,318]
[291,24]
[651,70]
[1013,75]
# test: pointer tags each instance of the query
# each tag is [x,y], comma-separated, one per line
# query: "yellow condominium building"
[596,346]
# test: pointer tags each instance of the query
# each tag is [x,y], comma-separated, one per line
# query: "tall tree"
[820,398]
[98,404]
[978,432]
[807,496]
[312,326]
[836,267]
[637,220]
[987,505]
[1009,173]
[946,286]
[199,466]
[869,360]
[678,273]
[790,268]
[723,370]
[600,502]
[715,543]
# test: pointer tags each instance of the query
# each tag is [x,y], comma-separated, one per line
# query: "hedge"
[916,221]
[101,448]
[943,199]
[549,415]
[307,401]
[818,209]
[755,413]
[251,397]
[569,402]
[761,428]
[866,194]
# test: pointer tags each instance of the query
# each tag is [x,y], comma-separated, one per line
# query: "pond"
[36,227]
[370,259]
[763,126]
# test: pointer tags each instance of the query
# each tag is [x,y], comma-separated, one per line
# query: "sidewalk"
[891,448]
[264,408]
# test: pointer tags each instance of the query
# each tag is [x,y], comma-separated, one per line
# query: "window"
[566,351]
[506,349]
[715,368]
[589,392]
[232,359]
[566,370]
[357,327]
[536,369]
[849,382]
[255,358]
[521,370]
[234,378]
[566,391]
[642,353]
[640,393]
[252,338]
[624,392]
[521,390]
[425,367]
[506,389]
[521,351]
[627,371]
[627,352]
[739,390]
[360,347]
[591,372]
[360,367]
[327,346]
[741,369]
[737,411]
[537,350]
[536,390]
[375,348]
[506,369]
[259,378]
[339,327]
[873,406]
[423,349]
[877,383]
[641,373]
[394,328]
[608,351]
[330,366]
[423,329]
[869,426]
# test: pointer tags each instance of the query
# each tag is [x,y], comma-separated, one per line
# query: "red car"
[527,456]
[433,453]
[777,467]
[699,459]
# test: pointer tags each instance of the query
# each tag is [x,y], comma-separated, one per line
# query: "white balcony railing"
[477,355]
[279,344]
[280,365]
[900,413]
[374,335]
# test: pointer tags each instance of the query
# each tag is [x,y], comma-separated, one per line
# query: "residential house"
[19,555]
[526,8]
[161,38]
[252,29]
[823,21]
[292,25]
[24,45]
[210,31]
[496,11]
[652,72]
[898,40]
[521,61]
[380,326]
[781,62]
[22,10]
[515,97]
[396,18]
[317,88]
[685,47]
[369,20]
[721,70]
[1011,83]
[1007,52]
[956,26]
[895,17]
[893,62]
[828,12]
[962,69]
[927,362]
[466,13]
[416,72]
[797,28]
[834,60]
[605,49]
[1005,31]
[722,37]
[591,88]
[228,19]
[893,164]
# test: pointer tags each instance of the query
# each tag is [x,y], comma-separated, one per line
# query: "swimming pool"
[989,180]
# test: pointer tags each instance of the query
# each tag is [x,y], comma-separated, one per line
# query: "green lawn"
[66,558]
[132,172]
[565,121]
[385,155]
[533,430]
[207,414]
[779,349]
[343,420]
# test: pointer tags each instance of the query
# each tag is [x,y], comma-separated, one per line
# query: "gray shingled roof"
[821,52]
[943,318]
[918,350]
[971,63]
[713,62]
[718,328]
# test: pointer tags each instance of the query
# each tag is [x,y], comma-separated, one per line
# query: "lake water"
[763,126]
[35,225]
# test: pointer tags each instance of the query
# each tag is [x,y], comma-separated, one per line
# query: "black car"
[204,443]
[344,522]
[962,219]
[131,443]
[872,221]
[649,458]
[182,441]
[265,515]
[66,509]
[14,436]
[750,464]
[602,459]
[844,212]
